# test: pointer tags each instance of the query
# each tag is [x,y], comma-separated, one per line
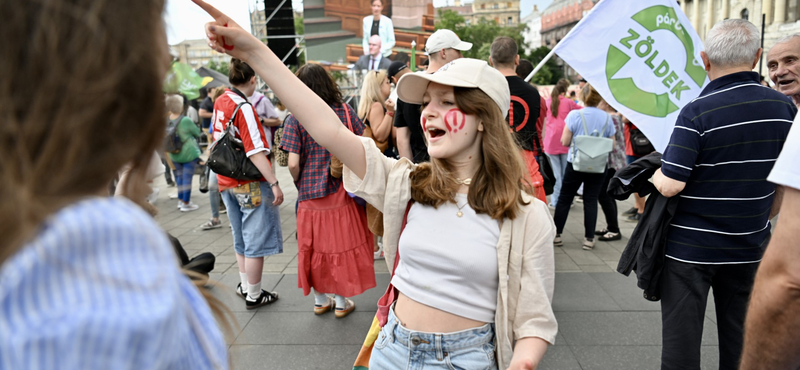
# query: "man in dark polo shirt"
[442,47]
[410,139]
[524,113]
[723,147]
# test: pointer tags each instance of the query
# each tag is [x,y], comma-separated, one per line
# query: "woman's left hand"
[521,364]
[389,104]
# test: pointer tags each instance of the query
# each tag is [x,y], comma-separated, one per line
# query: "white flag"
[643,57]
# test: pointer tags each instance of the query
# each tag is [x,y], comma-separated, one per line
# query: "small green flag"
[182,79]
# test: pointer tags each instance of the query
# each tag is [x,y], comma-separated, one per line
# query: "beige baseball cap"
[445,39]
[462,72]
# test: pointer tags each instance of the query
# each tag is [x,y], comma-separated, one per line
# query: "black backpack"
[172,142]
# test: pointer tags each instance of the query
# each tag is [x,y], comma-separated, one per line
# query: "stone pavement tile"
[581,256]
[633,357]
[241,320]
[564,262]
[224,288]
[294,357]
[579,292]
[559,358]
[273,267]
[610,328]
[633,328]
[280,258]
[271,327]
[624,292]
[293,300]
[606,252]
[596,268]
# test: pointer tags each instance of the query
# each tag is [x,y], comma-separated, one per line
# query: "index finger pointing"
[210,9]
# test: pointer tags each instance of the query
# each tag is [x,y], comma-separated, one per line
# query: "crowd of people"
[444,173]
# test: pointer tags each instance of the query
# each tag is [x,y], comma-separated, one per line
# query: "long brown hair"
[555,95]
[73,81]
[319,81]
[497,185]
[80,97]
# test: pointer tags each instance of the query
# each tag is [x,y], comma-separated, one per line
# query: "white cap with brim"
[462,72]
[445,39]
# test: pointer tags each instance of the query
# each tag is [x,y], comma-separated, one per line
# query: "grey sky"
[184,20]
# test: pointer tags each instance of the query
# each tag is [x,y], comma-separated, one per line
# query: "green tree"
[300,29]
[550,72]
[221,67]
[480,34]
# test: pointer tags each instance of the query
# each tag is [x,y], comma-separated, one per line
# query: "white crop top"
[450,262]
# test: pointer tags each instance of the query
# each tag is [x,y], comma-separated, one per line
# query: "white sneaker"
[189,207]
[588,244]
[173,195]
[379,253]
[153,197]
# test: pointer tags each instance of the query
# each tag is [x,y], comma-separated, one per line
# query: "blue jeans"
[183,178]
[559,164]
[213,193]
[256,231]
[400,348]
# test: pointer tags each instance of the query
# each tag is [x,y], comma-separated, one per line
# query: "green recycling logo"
[625,90]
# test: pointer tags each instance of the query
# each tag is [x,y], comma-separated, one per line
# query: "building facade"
[781,17]
[196,53]
[533,35]
[504,13]
[557,20]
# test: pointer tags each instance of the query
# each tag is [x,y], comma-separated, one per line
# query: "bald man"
[374,60]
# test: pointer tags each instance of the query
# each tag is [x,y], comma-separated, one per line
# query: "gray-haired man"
[723,147]
[783,63]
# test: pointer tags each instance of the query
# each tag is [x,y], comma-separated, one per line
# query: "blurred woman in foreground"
[88,281]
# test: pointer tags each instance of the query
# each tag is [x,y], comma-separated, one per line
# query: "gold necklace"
[459,213]
[466,181]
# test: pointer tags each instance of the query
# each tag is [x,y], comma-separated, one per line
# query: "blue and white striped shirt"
[723,146]
[99,287]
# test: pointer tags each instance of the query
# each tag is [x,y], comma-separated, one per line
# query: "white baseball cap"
[445,39]
[462,72]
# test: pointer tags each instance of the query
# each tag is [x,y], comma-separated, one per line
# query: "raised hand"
[225,36]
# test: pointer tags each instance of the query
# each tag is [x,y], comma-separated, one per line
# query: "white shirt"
[786,171]
[444,267]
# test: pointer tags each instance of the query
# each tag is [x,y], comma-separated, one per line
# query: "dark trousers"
[569,187]
[684,293]
[609,204]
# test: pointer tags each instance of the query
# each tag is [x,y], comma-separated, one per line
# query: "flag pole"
[553,51]
[541,64]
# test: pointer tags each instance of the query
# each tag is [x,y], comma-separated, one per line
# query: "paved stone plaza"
[604,323]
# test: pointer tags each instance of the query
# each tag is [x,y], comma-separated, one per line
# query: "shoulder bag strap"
[347,113]
[233,116]
[583,120]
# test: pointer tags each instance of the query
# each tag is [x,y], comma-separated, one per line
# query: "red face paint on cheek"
[455,119]
[424,123]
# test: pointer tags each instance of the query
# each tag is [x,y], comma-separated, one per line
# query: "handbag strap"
[405,221]
[347,113]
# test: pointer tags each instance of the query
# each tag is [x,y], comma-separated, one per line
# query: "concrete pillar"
[766,8]
[696,15]
[709,15]
[683,6]
[780,11]
[726,9]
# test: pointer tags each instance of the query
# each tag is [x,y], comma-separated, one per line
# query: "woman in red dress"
[334,245]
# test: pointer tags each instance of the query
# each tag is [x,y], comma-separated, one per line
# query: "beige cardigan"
[524,251]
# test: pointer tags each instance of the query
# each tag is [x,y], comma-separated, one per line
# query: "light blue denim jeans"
[257,231]
[559,164]
[213,193]
[400,348]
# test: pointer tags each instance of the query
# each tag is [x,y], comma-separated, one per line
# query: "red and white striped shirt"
[246,126]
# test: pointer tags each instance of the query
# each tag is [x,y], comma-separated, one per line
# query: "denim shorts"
[257,231]
[400,348]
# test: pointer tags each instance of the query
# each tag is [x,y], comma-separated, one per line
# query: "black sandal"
[264,299]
